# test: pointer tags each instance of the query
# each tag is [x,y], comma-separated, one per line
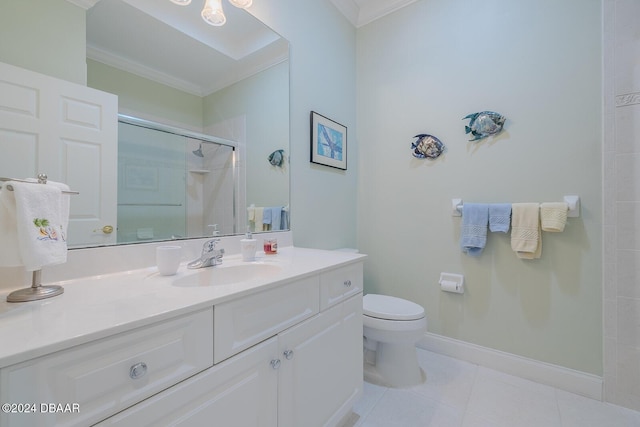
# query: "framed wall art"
[328,142]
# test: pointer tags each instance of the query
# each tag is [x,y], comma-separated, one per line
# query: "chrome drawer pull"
[347,283]
[288,354]
[138,370]
[275,363]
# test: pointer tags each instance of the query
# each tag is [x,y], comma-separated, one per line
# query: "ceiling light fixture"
[242,4]
[212,12]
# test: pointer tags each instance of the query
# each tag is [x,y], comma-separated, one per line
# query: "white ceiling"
[171,44]
[362,12]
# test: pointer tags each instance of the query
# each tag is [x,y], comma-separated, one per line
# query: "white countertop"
[99,306]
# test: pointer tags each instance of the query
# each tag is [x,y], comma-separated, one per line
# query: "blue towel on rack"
[276,218]
[266,216]
[499,217]
[284,223]
[475,218]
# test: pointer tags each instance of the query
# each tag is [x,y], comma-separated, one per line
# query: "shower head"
[198,152]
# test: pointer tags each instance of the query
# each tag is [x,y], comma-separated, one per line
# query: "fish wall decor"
[483,124]
[427,147]
[276,158]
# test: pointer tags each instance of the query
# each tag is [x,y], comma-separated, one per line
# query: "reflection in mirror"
[173,183]
[208,84]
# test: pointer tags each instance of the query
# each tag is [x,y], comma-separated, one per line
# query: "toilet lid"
[390,308]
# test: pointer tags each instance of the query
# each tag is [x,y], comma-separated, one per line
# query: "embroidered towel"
[526,238]
[42,218]
[499,217]
[553,216]
[475,218]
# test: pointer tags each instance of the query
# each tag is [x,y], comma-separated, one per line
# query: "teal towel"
[499,217]
[475,218]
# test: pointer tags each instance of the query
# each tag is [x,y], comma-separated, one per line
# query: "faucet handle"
[209,245]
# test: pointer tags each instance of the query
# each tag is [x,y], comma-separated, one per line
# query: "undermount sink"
[227,274]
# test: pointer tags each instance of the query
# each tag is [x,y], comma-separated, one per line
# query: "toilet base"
[396,365]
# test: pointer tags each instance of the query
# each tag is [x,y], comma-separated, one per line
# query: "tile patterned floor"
[461,394]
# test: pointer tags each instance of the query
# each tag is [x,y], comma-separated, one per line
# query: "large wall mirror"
[202,110]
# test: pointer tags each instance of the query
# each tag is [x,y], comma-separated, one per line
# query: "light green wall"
[420,70]
[264,101]
[145,98]
[323,79]
[46,36]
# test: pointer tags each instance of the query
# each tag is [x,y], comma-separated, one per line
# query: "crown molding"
[85,4]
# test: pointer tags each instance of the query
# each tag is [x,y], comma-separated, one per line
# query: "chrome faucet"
[210,256]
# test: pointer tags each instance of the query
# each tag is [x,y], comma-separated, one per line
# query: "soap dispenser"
[248,247]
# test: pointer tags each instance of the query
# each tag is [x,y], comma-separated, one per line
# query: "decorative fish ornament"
[483,124]
[427,146]
[277,158]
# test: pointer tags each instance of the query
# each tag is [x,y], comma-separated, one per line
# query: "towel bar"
[573,203]
[42,179]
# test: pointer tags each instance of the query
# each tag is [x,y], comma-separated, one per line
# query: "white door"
[321,370]
[69,132]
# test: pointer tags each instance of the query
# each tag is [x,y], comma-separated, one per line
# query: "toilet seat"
[390,308]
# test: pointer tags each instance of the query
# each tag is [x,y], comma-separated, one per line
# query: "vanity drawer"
[241,323]
[108,375]
[339,284]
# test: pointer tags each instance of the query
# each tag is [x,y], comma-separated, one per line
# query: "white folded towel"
[41,215]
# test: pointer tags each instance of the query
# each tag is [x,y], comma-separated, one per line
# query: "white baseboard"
[588,385]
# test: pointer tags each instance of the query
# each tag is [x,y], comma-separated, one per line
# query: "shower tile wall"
[621,47]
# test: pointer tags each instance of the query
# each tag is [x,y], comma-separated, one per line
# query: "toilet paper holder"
[452,282]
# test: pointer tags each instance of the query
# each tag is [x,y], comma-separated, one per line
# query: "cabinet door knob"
[275,363]
[288,354]
[347,283]
[138,370]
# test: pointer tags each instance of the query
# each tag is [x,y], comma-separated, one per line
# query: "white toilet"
[392,326]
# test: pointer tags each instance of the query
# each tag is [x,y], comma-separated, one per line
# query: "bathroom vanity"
[275,342]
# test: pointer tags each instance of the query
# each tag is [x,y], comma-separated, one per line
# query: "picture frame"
[328,142]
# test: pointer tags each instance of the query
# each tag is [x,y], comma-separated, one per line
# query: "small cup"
[168,259]
[270,246]
[248,249]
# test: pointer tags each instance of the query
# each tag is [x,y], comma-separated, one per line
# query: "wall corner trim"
[567,379]
[85,4]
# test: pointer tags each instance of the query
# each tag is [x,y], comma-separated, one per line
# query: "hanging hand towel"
[276,218]
[475,217]
[526,238]
[258,213]
[42,218]
[284,219]
[266,216]
[9,252]
[499,217]
[553,216]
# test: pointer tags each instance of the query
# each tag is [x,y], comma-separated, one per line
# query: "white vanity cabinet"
[239,392]
[321,369]
[108,375]
[289,355]
[283,363]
